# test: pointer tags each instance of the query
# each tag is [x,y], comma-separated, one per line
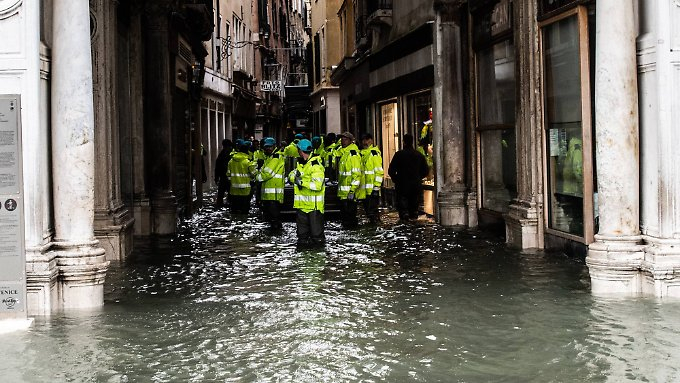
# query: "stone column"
[524,222]
[81,261]
[614,259]
[141,204]
[448,117]
[159,85]
[113,221]
[658,55]
[41,264]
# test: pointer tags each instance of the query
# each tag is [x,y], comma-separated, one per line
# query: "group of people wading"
[244,169]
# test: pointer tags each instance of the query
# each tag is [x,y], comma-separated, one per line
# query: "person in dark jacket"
[221,171]
[407,170]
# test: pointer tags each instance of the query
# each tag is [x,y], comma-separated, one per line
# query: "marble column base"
[615,265]
[521,226]
[471,203]
[661,267]
[164,214]
[41,281]
[114,233]
[82,269]
[452,208]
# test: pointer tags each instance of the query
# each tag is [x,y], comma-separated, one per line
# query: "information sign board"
[12,253]
[270,86]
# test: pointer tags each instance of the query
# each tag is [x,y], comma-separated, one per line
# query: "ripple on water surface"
[228,300]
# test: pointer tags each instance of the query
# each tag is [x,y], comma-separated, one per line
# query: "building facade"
[386,78]
[228,99]
[326,53]
[552,118]
[108,91]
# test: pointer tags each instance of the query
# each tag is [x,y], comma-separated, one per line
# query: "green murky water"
[230,302]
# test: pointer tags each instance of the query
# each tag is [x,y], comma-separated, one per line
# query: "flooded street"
[227,301]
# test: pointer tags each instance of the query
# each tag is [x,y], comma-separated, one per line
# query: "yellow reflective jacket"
[310,196]
[372,163]
[291,150]
[572,171]
[349,172]
[240,171]
[271,177]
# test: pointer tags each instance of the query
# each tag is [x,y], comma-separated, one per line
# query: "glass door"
[568,129]
[389,131]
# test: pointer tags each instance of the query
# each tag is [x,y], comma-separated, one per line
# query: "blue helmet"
[299,136]
[268,142]
[305,145]
[247,143]
[316,139]
[239,142]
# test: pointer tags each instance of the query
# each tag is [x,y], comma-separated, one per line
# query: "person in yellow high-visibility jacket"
[330,144]
[240,171]
[271,179]
[310,190]
[372,164]
[291,151]
[319,149]
[349,180]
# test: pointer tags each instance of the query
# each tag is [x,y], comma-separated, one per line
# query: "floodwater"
[228,301]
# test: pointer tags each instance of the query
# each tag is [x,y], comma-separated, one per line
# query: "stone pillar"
[159,86]
[658,55]
[81,261]
[448,117]
[113,221]
[524,221]
[41,264]
[614,259]
[141,203]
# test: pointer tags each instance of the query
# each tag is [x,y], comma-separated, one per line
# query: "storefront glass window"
[564,124]
[420,126]
[496,120]
[496,73]
[499,176]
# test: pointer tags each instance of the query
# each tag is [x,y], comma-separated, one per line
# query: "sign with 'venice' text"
[270,86]
[12,253]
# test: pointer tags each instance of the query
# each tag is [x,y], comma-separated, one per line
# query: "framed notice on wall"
[12,254]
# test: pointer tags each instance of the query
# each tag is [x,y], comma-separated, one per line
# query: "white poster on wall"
[12,254]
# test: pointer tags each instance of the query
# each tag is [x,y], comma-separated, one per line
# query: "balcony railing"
[377,5]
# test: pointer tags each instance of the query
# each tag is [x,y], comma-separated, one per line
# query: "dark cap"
[347,135]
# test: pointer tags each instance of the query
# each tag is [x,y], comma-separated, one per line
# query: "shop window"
[419,118]
[568,125]
[496,125]
[499,176]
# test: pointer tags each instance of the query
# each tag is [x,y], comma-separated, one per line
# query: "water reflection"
[228,301]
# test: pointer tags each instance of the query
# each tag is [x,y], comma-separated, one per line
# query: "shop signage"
[501,18]
[270,86]
[491,24]
[12,257]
